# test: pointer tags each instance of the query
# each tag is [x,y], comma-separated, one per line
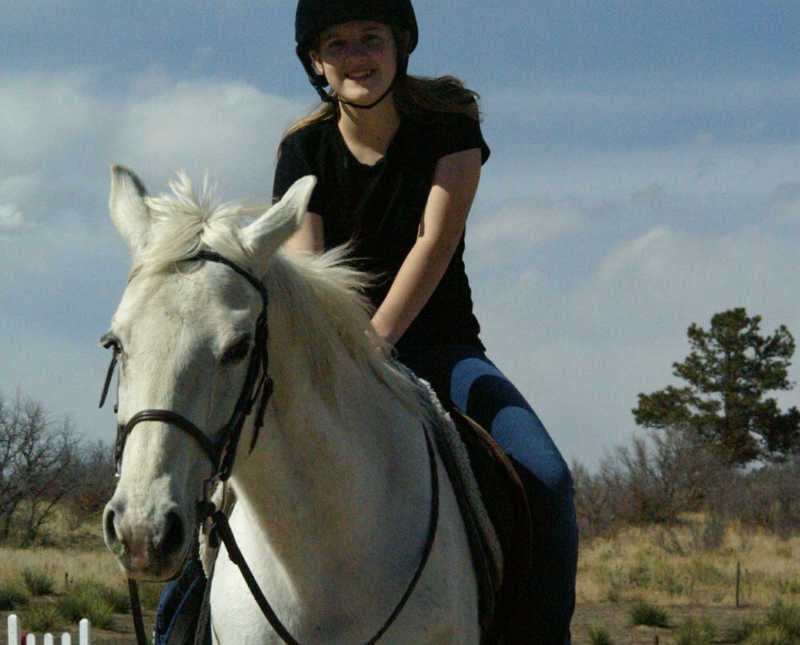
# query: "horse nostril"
[109,527]
[173,536]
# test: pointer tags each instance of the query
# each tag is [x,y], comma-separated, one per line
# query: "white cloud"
[520,225]
[230,129]
[10,218]
[622,100]
[664,272]
[62,267]
[581,347]
[44,113]
[785,201]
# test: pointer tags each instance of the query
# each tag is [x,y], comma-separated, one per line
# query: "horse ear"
[266,234]
[127,208]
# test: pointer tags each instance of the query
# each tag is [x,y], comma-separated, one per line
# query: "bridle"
[221,452]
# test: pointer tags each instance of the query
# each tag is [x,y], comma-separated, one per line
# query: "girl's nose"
[355,49]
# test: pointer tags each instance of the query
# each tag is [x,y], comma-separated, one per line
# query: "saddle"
[503,495]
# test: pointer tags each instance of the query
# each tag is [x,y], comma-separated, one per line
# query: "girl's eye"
[334,45]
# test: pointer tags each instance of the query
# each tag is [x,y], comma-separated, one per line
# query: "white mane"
[319,301]
[316,301]
[184,222]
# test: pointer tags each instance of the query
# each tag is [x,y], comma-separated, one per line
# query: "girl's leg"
[475,385]
[179,607]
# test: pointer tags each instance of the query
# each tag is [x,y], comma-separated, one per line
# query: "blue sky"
[644,175]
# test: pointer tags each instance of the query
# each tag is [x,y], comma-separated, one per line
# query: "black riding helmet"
[314,16]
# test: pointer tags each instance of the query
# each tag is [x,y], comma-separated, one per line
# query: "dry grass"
[65,566]
[79,559]
[673,568]
[674,565]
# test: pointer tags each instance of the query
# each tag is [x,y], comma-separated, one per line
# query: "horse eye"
[236,352]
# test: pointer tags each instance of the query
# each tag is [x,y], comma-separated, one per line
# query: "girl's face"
[359,59]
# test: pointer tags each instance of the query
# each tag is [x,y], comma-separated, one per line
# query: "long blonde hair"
[415,97]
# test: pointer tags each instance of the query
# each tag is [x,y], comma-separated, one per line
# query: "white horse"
[334,498]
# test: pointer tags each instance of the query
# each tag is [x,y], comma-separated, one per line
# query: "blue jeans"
[465,376]
[179,607]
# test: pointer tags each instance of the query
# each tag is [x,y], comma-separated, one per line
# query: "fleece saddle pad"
[506,504]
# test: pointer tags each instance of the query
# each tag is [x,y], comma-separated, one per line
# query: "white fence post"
[83,632]
[15,633]
[13,629]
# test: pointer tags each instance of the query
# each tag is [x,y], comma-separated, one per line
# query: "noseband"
[221,450]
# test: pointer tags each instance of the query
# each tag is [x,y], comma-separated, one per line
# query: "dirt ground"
[615,617]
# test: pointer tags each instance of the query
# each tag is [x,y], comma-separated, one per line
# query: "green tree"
[729,371]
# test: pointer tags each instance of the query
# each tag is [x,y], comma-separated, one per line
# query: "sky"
[644,175]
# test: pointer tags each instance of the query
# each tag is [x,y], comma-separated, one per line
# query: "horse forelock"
[187,220]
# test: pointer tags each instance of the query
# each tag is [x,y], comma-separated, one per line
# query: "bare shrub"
[659,479]
[645,613]
[93,483]
[654,480]
[36,457]
[695,632]
[592,504]
[770,498]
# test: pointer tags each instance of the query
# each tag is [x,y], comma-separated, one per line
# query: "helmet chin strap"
[374,103]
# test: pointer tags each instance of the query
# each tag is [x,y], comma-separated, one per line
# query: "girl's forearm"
[411,289]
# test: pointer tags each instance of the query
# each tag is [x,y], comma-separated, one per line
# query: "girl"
[398,160]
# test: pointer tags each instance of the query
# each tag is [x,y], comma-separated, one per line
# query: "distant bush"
[87,600]
[658,479]
[770,635]
[149,595]
[770,498]
[119,598]
[781,626]
[12,596]
[644,613]
[695,632]
[38,582]
[654,480]
[786,617]
[42,618]
[599,636]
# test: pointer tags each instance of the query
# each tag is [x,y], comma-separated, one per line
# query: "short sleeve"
[293,163]
[460,132]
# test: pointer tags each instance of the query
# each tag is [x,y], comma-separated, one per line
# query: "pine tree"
[730,370]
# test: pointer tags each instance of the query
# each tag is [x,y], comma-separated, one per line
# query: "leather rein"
[221,452]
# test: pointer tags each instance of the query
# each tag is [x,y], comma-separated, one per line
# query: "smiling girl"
[398,160]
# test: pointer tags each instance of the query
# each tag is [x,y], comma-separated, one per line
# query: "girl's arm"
[310,237]
[455,182]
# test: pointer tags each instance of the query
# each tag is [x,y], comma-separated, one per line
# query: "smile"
[361,76]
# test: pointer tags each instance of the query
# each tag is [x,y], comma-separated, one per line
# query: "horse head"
[184,333]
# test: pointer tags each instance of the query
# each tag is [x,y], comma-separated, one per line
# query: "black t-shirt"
[377,209]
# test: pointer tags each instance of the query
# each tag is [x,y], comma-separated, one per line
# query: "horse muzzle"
[149,546]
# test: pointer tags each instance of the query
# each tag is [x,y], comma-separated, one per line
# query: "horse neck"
[334,458]
[332,493]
